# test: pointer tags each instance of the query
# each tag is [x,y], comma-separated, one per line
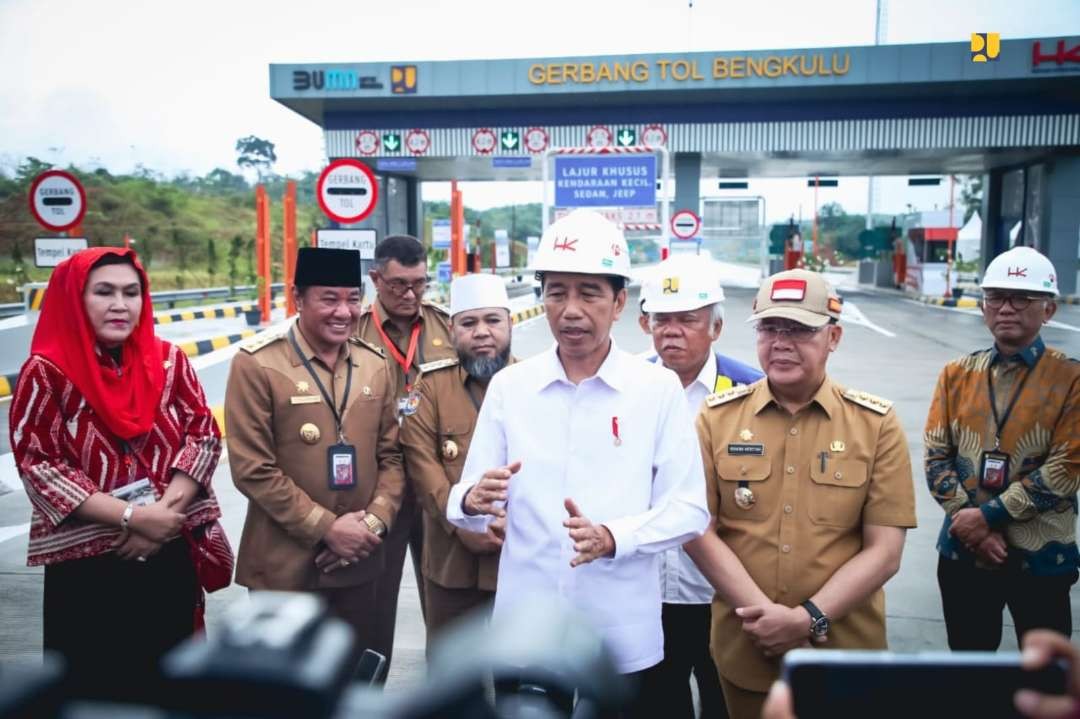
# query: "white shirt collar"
[707,375]
[610,373]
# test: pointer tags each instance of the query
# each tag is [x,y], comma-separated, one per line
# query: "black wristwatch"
[819,623]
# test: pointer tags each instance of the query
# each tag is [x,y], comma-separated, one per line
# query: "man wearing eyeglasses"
[416,336]
[682,310]
[1003,460]
[809,485]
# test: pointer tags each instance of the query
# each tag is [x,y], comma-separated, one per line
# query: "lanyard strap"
[338,413]
[405,361]
[1000,422]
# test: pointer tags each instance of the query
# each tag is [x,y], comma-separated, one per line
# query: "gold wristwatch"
[375,525]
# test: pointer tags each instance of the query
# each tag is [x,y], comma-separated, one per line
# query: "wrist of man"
[465,502]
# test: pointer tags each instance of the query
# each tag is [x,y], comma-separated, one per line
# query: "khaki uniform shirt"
[817,478]
[279,430]
[435,440]
[433,343]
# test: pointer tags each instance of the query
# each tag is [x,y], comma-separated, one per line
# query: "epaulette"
[437,307]
[438,364]
[865,399]
[361,342]
[719,398]
[263,339]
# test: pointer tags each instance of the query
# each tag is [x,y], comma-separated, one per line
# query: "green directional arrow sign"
[391,141]
[509,139]
[626,137]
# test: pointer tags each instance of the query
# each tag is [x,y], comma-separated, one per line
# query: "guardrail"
[11,309]
[172,297]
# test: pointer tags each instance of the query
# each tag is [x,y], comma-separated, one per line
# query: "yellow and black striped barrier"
[34,297]
[7,384]
[202,347]
[962,302]
[211,313]
[527,314]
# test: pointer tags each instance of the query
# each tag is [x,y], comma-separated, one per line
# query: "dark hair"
[407,250]
[617,282]
[114,259]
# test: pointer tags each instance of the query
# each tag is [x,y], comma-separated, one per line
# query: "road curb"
[527,314]
[213,313]
[963,302]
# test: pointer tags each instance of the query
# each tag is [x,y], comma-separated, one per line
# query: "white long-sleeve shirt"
[647,488]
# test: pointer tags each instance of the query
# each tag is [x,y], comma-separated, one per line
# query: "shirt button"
[783,588]
[838,475]
[790,469]
[788,509]
[794,431]
[786,548]
[742,470]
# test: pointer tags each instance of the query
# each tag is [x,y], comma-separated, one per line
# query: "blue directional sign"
[511,162]
[396,164]
[605,181]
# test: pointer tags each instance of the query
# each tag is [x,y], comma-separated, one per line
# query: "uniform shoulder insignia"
[361,342]
[718,398]
[263,339]
[438,364]
[437,307]
[865,399]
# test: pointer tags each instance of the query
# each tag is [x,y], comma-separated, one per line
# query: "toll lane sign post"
[347,191]
[57,200]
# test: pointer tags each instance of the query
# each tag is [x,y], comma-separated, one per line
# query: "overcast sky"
[173,85]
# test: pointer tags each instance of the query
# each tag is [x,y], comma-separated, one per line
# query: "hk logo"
[985,46]
[1017,272]
[566,245]
[616,250]
[671,286]
[403,79]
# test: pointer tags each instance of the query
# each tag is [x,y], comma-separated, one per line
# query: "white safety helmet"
[1021,268]
[585,242]
[680,284]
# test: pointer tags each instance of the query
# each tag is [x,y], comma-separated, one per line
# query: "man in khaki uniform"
[412,333]
[459,566]
[313,445]
[810,489]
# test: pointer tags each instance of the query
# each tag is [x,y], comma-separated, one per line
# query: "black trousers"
[687,628]
[407,533]
[973,599]
[113,619]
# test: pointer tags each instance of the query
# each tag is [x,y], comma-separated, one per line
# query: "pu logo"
[985,46]
[1017,272]
[403,79]
[670,286]
[566,245]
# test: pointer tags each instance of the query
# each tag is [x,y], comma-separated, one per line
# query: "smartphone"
[882,685]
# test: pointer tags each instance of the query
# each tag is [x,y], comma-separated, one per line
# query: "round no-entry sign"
[685,224]
[347,191]
[57,200]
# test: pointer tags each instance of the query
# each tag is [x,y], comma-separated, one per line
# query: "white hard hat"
[681,283]
[585,242]
[1021,268]
[472,292]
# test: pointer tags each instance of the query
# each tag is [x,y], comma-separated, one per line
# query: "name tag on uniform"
[341,464]
[305,399]
[743,450]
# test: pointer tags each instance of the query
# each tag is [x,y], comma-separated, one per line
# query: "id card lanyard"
[999,421]
[339,413]
[405,362]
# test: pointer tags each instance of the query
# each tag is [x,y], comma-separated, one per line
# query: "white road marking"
[18,530]
[14,322]
[9,477]
[851,314]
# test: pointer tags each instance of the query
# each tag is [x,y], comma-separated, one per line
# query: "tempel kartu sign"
[605,181]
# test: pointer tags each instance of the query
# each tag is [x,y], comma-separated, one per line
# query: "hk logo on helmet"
[671,286]
[1017,272]
[616,250]
[566,245]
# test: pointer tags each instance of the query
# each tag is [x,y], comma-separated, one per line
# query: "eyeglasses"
[996,301]
[400,287]
[794,332]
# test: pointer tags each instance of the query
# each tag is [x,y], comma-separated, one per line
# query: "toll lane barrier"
[210,313]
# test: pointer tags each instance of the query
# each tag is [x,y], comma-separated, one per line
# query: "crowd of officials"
[706,516]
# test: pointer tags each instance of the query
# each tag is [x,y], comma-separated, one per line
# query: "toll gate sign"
[57,200]
[347,191]
[605,181]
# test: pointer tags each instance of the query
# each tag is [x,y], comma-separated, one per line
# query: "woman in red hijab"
[116,447]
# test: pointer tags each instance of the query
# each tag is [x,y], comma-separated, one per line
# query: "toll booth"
[929,247]
[785,243]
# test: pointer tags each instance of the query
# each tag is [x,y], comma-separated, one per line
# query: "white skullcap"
[472,292]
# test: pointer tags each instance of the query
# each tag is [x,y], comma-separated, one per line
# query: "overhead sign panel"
[440,234]
[605,181]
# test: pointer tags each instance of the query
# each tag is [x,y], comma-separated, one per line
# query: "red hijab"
[64,336]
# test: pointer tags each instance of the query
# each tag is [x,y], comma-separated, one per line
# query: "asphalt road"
[898,357]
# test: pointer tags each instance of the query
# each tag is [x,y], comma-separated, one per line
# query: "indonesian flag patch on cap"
[788,290]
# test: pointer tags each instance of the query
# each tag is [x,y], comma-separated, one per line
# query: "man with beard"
[1003,460]
[584,449]
[682,310]
[459,566]
[411,332]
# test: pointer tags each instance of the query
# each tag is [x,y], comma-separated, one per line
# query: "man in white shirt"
[586,450]
[682,311]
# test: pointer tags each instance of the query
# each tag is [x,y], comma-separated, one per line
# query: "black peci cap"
[327,267]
